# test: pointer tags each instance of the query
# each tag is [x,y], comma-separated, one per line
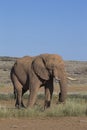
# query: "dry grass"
[76,105]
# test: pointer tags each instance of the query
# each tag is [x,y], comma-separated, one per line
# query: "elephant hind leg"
[19,98]
[19,102]
[18,91]
[23,91]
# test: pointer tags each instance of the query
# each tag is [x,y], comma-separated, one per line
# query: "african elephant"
[40,71]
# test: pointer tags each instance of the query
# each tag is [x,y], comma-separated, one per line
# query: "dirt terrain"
[76,69]
[60,123]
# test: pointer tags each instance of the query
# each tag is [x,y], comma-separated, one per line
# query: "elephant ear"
[40,68]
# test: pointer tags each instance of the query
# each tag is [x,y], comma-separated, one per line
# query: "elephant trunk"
[60,77]
[63,88]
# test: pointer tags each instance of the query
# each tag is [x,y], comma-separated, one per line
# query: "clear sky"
[32,27]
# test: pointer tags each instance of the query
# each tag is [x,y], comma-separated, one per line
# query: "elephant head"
[51,65]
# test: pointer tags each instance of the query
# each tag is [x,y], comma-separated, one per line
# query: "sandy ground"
[60,123]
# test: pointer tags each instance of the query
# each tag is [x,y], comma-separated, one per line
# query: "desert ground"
[75,69]
[63,123]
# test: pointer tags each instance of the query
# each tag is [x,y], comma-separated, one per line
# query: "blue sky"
[32,27]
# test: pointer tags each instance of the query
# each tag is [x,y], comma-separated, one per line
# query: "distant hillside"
[75,69]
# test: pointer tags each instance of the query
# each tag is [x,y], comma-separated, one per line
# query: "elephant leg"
[23,91]
[19,94]
[48,94]
[17,90]
[47,98]
[19,98]
[33,95]
[17,104]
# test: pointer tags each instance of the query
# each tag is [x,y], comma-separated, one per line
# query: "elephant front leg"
[48,96]
[32,96]
[48,93]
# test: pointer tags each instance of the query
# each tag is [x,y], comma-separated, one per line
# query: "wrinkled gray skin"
[31,73]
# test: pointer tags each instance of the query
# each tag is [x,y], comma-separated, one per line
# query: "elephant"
[31,73]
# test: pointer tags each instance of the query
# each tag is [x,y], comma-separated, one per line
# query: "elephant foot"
[61,98]
[47,104]
[60,102]
[22,105]
[19,106]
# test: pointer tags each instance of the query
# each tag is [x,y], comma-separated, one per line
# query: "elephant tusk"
[72,79]
[56,79]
